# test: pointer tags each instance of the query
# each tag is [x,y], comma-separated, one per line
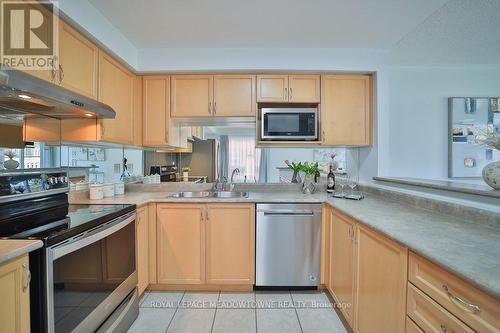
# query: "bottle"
[330,181]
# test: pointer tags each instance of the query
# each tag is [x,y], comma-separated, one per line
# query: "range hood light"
[24,96]
[89,115]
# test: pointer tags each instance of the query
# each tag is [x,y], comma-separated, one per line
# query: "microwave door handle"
[61,250]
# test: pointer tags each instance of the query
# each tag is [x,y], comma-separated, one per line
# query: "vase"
[308,185]
[295,177]
[491,174]
[11,164]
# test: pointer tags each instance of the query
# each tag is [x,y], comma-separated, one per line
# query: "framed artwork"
[79,153]
[96,154]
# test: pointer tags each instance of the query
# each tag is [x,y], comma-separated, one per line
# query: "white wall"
[418,115]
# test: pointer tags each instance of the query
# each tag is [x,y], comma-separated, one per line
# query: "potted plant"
[11,164]
[296,168]
[491,172]
[310,170]
[185,173]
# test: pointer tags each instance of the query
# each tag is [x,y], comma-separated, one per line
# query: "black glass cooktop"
[77,219]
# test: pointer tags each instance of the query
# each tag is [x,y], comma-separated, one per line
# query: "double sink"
[211,194]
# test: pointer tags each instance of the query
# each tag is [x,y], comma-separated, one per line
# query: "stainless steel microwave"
[287,124]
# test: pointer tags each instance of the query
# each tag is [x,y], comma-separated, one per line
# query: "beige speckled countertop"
[13,248]
[471,249]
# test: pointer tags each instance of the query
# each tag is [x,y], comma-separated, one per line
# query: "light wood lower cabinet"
[381,277]
[230,244]
[180,244]
[142,249]
[209,244]
[430,316]
[15,296]
[411,327]
[342,256]
[474,307]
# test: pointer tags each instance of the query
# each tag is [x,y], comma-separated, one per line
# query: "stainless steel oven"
[297,124]
[90,275]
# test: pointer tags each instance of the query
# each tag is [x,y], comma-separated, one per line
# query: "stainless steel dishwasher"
[288,238]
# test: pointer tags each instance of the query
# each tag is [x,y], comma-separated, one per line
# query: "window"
[244,156]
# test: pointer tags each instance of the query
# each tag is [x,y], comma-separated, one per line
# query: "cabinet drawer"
[431,316]
[471,305]
[411,327]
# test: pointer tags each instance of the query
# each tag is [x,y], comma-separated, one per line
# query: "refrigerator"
[204,159]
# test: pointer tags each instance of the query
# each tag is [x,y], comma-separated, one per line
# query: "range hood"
[22,94]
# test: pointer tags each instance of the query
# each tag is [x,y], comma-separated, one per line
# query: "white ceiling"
[266,23]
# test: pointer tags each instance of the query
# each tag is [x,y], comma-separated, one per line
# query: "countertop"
[448,185]
[471,249]
[13,248]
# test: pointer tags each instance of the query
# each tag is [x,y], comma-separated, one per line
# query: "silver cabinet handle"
[286,93]
[209,107]
[61,74]
[473,308]
[443,328]
[323,136]
[290,93]
[28,276]
[215,107]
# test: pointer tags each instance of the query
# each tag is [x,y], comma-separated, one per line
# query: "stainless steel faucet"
[235,171]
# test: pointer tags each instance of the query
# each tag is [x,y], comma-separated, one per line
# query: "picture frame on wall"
[96,154]
[79,153]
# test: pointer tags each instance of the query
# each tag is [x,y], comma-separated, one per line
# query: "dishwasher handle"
[287,213]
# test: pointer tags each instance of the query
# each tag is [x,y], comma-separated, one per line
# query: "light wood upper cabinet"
[116,86]
[142,249]
[381,279]
[342,258]
[297,88]
[192,96]
[78,60]
[230,244]
[304,88]
[180,244]
[272,88]
[156,110]
[234,95]
[346,110]
[137,111]
[15,296]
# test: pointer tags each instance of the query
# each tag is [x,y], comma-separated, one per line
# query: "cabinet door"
[180,244]
[116,86]
[381,279]
[192,96]
[15,296]
[346,117]
[272,88]
[230,247]
[142,249]
[342,256]
[325,246]
[234,95]
[137,111]
[304,88]
[78,59]
[156,115]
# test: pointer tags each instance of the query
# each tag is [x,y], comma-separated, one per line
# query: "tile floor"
[229,312]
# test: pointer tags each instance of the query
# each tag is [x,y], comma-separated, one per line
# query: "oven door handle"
[93,236]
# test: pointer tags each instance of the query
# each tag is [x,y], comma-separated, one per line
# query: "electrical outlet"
[117,168]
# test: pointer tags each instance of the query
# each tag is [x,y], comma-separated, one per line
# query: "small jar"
[119,188]
[109,190]
[96,191]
